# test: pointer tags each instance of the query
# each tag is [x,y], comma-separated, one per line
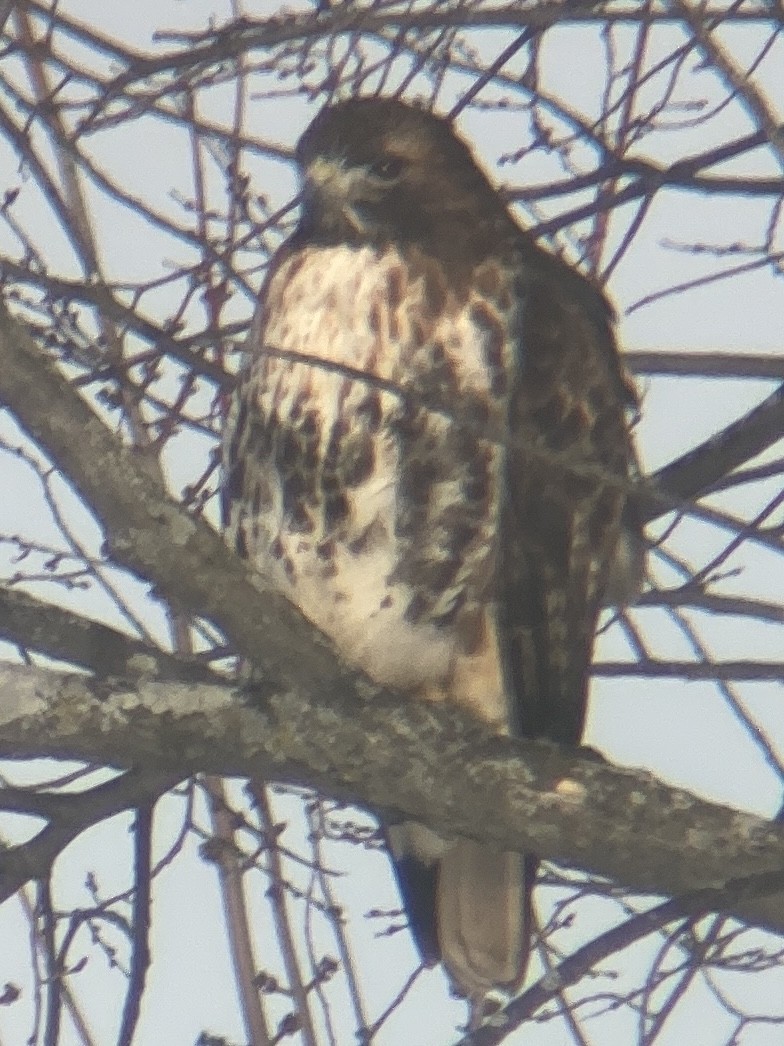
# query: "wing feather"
[568,457]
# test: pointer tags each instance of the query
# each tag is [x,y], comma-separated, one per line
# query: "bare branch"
[407,759]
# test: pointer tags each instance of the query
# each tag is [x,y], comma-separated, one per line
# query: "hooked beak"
[335,193]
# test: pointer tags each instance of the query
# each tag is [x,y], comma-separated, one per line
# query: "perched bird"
[429,454]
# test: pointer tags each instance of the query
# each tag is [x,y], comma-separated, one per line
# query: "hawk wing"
[560,520]
[568,463]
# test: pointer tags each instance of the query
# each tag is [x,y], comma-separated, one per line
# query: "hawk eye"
[387,169]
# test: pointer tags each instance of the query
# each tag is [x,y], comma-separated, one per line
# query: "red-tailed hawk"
[428,454]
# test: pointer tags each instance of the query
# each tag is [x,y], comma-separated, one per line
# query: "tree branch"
[734,445]
[700,364]
[61,634]
[406,759]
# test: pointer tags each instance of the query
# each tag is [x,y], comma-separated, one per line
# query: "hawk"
[429,455]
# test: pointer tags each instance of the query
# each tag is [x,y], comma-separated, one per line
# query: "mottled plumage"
[428,454]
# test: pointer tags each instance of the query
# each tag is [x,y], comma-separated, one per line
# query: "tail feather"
[418,885]
[483,912]
[471,908]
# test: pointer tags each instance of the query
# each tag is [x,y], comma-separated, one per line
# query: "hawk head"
[380,170]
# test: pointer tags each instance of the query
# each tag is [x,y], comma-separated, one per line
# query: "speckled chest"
[365,479]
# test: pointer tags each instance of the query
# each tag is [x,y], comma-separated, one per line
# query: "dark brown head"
[378,169]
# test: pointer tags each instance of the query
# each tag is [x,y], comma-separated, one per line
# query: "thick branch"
[404,758]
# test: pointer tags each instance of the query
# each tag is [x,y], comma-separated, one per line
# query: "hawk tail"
[472,910]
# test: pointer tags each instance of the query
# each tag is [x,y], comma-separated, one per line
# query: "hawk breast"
[363,482]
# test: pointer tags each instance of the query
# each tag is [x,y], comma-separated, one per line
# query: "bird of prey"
[429,455]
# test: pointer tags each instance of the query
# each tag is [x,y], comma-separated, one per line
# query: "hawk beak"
[335,193]
[328,186]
